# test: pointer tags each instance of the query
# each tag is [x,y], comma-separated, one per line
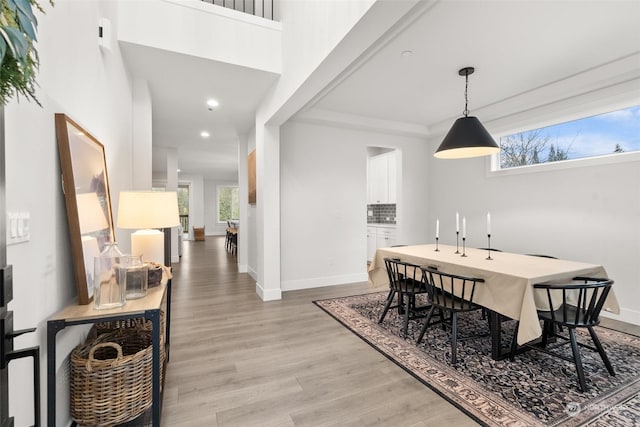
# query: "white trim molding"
[318,282]
[269,294]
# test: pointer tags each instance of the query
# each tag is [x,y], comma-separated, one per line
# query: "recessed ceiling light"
[178,170]
[204,134]
[212,103]
[407,53]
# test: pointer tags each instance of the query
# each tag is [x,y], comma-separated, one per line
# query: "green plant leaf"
[3,48]
[26,25]
[7,40]
[24,6]
[11,4]
[19,42]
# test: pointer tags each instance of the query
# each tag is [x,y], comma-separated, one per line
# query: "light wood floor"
[237,361]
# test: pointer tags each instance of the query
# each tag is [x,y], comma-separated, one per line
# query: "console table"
[148,308]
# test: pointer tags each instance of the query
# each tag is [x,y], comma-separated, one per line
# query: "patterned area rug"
[534,390]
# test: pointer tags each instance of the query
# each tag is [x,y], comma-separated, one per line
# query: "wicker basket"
[111,378]
[135,324]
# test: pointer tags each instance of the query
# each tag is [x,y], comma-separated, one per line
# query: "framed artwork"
[251,168]
[85,184]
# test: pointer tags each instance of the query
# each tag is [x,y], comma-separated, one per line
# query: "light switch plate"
[18,227]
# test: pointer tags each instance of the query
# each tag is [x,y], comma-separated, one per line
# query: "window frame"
[493,161]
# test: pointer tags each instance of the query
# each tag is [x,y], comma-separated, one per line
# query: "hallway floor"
[238,361]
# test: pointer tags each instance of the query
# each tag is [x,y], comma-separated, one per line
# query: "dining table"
[507,291]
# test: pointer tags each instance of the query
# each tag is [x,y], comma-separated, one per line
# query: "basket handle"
[97,346]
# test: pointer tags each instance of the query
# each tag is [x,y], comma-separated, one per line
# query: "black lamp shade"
[466,138]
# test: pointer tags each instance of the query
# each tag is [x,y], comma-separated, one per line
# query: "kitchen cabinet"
[379,236]
[382,178]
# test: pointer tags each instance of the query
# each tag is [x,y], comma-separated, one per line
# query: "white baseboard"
[252,273]
[318,282]
[268,294]
[242,268]
[626,315]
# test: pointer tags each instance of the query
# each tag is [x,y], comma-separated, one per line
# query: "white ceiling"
[516,47]
[180,86]
[526,54]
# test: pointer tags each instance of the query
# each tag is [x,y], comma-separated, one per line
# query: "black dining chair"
[571,305]
[452,294]
[405,283]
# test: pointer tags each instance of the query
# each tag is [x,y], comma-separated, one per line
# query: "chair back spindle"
[580,306]
[581,303]
[451,291]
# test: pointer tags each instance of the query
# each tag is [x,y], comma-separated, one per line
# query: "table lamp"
[147,212]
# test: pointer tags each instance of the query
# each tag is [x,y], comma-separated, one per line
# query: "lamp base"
[149,244]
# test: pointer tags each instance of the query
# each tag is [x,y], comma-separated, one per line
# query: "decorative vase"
[109,288]
[134,274]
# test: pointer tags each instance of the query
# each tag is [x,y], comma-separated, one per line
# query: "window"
[228,206]
[183,206]
[610,133]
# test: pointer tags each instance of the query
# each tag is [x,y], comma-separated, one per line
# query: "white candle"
[488,223]
[464,227]
[457,222]
[437,228]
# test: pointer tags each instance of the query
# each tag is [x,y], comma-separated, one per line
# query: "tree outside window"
[228,203]
[604,134]
[183,206]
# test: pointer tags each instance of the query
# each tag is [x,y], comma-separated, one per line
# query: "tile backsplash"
[381,213]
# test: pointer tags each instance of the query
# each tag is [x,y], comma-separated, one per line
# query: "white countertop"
[381,225]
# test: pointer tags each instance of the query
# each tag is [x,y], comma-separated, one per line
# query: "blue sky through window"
[597,135]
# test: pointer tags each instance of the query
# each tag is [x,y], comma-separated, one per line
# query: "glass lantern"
[109,289]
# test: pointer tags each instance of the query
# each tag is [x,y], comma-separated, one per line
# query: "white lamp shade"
[148,209]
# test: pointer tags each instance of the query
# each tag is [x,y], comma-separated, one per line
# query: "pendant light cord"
[466,100]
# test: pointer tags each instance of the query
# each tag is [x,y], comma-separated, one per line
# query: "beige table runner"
[509,278]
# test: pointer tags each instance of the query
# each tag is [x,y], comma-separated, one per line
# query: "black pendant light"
[467,137]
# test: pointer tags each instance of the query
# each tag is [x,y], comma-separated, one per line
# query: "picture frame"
[251,169]
[85,185]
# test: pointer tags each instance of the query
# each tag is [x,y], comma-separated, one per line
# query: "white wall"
[589,214]
[195,28]
[323,201]
[212,226]
[92,87]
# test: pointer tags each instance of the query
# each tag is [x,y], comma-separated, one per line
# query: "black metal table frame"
[153,315]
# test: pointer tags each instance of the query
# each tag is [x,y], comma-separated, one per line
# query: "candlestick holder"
[457,235]
[489,247]
[464,252]
[437,250]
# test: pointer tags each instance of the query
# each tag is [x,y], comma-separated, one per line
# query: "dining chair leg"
[390,297]
[545,333]
[576,359]
[401,306]
[407,310]
[454,339]
[603,355]
[426,323]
